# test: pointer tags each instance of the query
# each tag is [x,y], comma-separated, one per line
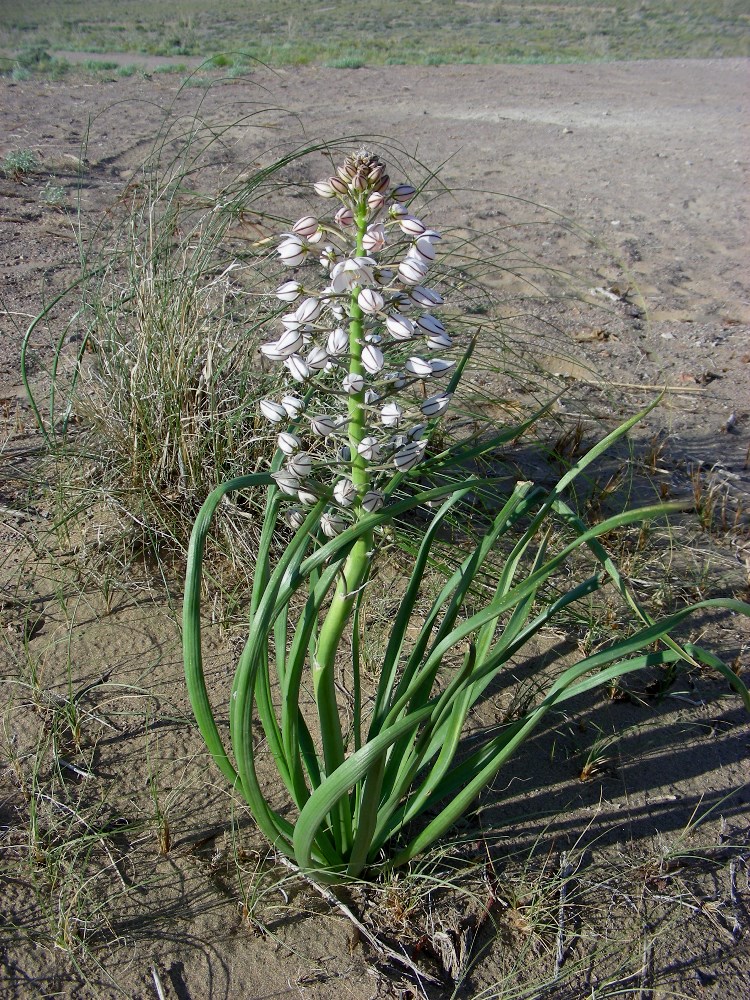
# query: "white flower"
[332,524]
[298,368]
[293,406]
[345,492]
[347,274]
[324,425]
[353,383]
[419,367]
[337,343]
[390,414]
[288,443]
[374,237]
[287,482]
[290,291]
[371,397]
[432,235]
[294,517]
[292,251]
[412,270]
[370,301]
[272,411]
[409,456]
[328,257]
[400,327]
[369,449]
[372,359]
[306,227]
[300,465]
[372,501]
[375,201]
[436,404]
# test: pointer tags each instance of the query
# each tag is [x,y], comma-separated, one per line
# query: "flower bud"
[306,227]
[409,456]
[353,383]
[271,351]
[438,341]
[369,449]
[372,359]
[370,301]
[412,270]
[430,325]
[293,406]
[375,201]
[324,425]
[422,249]
[440,367]
[344,216]
[290,341]
[436,405]
[298,368]
[403,193]
[390,414]
[345,492]
[337,343]
[308,311]
[339,186]
[317,359]
[288,443]
[425,296]
[290,291]
[419,367]
[308,493]
[292,252]
[374,238]
[272,411]
[400,327]
[411,226]
[300,465]
[372,501]
[371,397]
[332,524]
[287,482]
[324,189]
[294,517]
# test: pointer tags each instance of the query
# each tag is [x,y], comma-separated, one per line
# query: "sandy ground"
[649,161]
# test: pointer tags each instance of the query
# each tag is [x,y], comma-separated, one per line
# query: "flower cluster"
[362,343]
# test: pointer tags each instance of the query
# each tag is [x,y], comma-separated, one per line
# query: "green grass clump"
[19,163]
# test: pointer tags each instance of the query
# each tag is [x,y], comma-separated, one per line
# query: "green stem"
[354,571]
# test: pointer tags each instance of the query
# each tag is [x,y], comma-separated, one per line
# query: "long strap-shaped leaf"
[191,621]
